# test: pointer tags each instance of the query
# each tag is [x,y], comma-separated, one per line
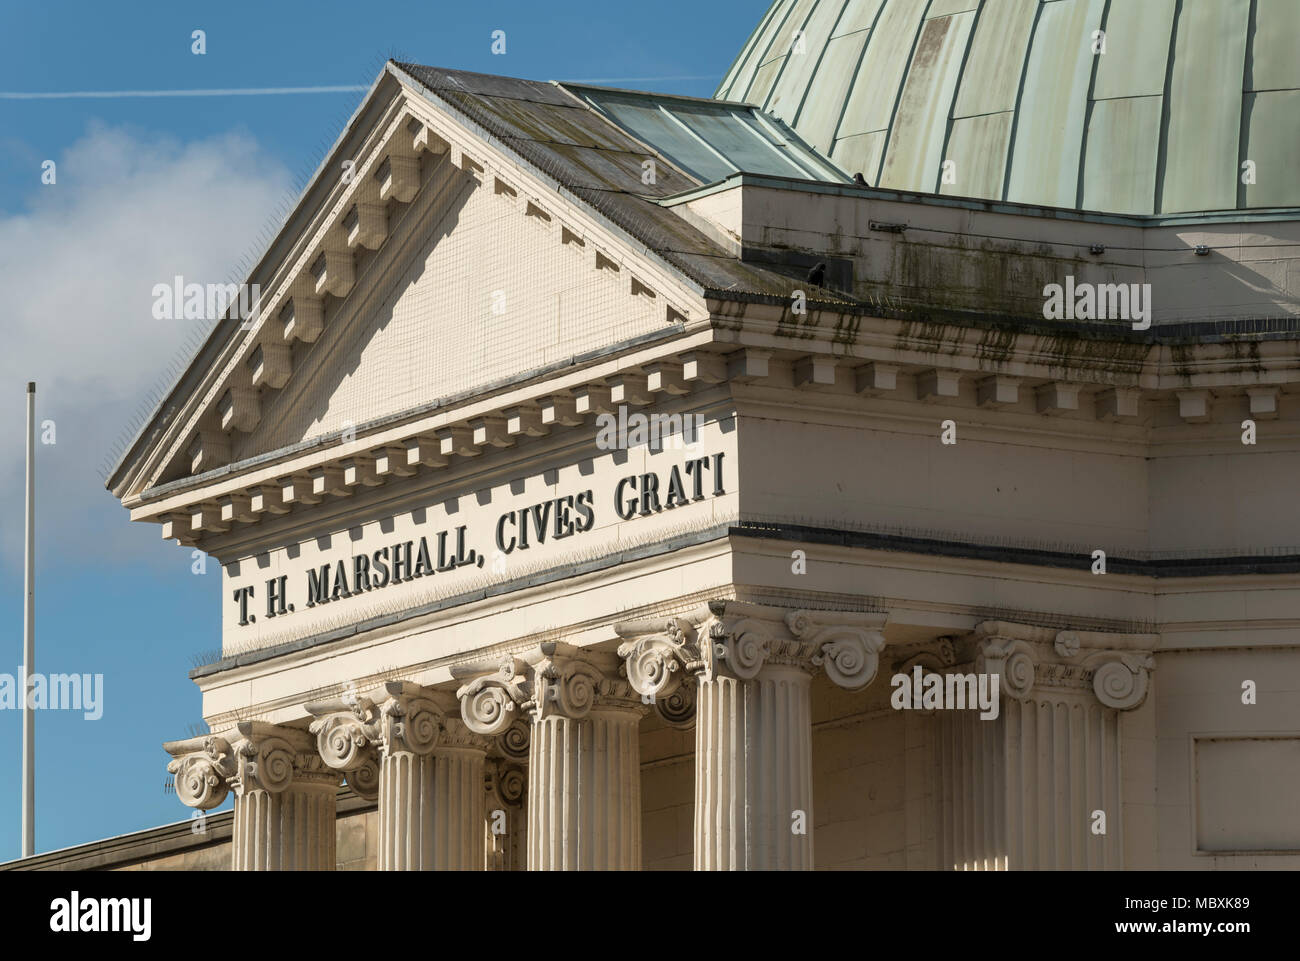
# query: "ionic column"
[284,794]
[429,779]
[584,812]
[430,788]
[1038,787]
[753,772]
[584,793]
[753,724]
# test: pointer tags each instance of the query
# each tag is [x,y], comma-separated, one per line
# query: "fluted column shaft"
[753,772]
[430,809]
[1019,792]
[584,793]
[289,830]
[1038,787]
[284,793]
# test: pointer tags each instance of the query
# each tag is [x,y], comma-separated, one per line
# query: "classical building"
[610,479]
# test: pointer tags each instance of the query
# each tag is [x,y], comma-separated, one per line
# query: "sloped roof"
[1121,106]
[582,137]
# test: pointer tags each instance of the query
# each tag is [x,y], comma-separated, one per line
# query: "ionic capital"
[1033,661]
[553,680]
[412,719]
[514,741]
[738,639]
[504,782]
[271,758]
[569,682]
[494,699]
[740,646]
[250,756]
[658,654]
[355,732]
[347,733]
[847,645]
[202,768]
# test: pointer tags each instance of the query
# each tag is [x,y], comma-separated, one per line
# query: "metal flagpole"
[29,635]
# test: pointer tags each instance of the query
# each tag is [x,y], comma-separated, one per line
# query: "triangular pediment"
[474,289]
[440,262]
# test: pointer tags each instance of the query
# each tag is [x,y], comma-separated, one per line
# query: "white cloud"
[128,211]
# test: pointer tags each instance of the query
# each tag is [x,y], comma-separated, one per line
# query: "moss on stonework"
[1246,351]
[922,336]
[997,344]
[978,278]
[799,326]
[846,330]
[1183,360]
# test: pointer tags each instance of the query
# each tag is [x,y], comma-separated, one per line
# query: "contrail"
[260,91]
[217,92]
[641,79]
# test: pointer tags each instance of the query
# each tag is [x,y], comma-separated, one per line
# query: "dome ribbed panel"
[1010,101]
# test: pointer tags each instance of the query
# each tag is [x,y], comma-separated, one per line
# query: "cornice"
[1150,572]
[448,436]
[1101,355]
[1121,371]
[194,510]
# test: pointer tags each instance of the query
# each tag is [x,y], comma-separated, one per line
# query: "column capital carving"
[570,682]
[678,708]
[411,719]
[1115,668]
[659,653]
[270,757]
[504,781]
[347,731]
[202,768]
[555,679]
[513,743]
[355,732]
[249,756]
[494,698]
[738,639]
[847,646]
[737,646]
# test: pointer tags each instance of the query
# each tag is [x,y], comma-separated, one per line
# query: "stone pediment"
[425,263]
[476,287]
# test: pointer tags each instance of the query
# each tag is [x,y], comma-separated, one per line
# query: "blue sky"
[151,187]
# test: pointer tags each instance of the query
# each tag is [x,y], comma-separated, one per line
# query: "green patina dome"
[1011,91]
